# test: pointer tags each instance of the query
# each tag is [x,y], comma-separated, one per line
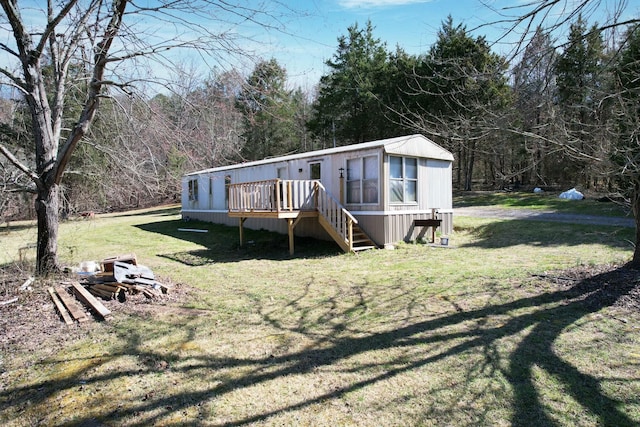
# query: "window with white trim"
[403,179]
[362,180]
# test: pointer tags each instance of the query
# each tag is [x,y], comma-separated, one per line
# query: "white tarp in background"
[572,194]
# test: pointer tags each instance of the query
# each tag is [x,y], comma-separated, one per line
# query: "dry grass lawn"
[514,324]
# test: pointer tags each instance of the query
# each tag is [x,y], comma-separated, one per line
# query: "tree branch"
[18,164]
[88,113]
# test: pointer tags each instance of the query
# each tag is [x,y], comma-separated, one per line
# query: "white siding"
[385,223]
[438,184]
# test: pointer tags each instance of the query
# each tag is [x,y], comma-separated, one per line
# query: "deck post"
[241,223]
[350,233]
[290,228]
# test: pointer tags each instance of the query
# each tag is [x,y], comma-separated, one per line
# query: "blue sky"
[311,31]
[302,34]
[411,24]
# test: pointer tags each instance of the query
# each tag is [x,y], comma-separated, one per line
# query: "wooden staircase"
[341,225]
[361,241]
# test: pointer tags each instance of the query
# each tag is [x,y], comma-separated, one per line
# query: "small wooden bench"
[433,223]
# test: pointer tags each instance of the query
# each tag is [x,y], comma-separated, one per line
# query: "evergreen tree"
[348,109]
[626,154]
[581,83]
[268,113]
[534,91]
[462,91]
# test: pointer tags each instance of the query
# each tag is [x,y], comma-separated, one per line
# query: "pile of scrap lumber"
[69,307]
[114,278]
[122,274]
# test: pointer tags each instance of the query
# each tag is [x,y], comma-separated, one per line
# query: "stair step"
[362,248]
[364,240]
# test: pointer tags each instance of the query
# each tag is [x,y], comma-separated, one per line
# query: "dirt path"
[535,215]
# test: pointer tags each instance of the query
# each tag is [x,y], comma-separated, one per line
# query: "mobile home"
[378,192]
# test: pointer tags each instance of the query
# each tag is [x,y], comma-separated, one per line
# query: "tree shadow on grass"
[222,243]
[507,233]
[540,319]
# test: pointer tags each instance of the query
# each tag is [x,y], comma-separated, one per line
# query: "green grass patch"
[548,201]
[486,331]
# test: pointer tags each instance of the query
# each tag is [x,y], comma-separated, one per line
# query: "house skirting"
[384,227]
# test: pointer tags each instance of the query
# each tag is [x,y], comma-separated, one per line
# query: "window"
[362,180]
[403,179]
[193,190]
[314,171]
[227,184]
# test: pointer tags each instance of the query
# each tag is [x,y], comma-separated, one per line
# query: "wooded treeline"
[551,117]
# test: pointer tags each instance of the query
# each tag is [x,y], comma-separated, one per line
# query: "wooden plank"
[101,293]
[86,297]
[427,222]
[107,263]
[143,281]
[121,294]
[63,311]
[130,287]
[72,305]
[104,276]
[108,287]
[149,293]
[164,288]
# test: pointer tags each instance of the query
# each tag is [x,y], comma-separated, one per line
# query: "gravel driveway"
[536,215]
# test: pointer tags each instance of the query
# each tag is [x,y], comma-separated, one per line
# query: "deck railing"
[285,195]
[275,195]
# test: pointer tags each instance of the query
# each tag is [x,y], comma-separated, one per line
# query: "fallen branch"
[27,283]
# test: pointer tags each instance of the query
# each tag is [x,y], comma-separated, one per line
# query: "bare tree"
[103,39]
[524,19]
[619,153]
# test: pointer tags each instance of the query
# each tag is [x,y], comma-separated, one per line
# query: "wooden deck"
[293,200]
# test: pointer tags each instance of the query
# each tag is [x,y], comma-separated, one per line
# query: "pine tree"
[348,108]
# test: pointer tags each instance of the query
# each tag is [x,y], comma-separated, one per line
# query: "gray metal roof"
[411,145]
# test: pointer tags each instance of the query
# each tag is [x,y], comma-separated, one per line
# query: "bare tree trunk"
[471,153]
[47,212]
[635,205]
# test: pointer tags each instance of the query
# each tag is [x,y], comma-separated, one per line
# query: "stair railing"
[335,214]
